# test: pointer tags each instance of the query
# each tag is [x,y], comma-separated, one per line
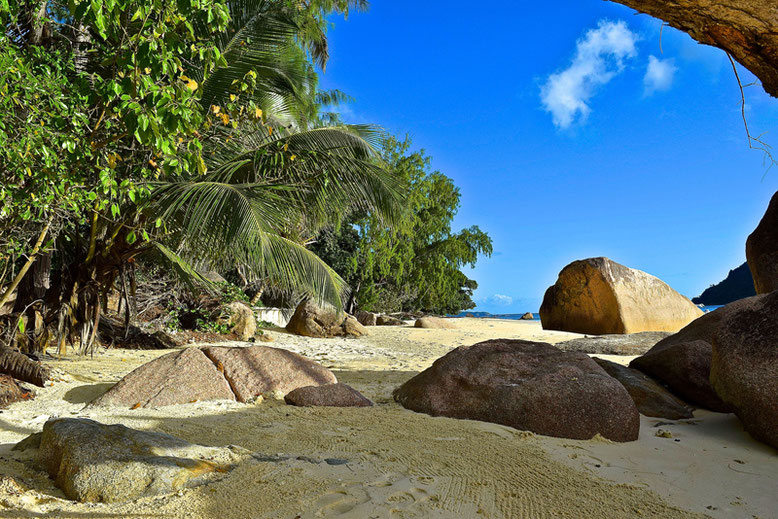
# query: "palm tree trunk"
[30,260]
[22,368]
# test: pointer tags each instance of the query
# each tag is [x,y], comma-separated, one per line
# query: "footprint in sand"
[340,502]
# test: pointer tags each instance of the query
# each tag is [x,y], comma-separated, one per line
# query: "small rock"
[332,395]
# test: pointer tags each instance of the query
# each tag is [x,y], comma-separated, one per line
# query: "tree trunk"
[747,29]
[22,368]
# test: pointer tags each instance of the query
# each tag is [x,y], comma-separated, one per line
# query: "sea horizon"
[536,315]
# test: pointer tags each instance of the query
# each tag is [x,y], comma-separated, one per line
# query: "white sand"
[400,464]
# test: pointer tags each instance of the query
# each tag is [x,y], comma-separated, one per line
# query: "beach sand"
[399,464]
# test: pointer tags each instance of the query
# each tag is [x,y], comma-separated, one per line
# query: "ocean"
[536,316]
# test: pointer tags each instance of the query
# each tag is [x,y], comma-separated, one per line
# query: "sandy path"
[400,464]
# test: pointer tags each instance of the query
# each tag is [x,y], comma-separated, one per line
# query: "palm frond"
[218,226]
[261,39]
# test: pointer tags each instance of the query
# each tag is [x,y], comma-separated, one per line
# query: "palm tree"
[272,176]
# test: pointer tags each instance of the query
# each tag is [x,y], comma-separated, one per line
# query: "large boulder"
[599,296]
[650,397]
[11,391]
[744,366]
[683,367]
[214,373]
[367,318]
[94,462]
[434,322]
[241,320]
[179,377]
[328,395]
[762,250]
[311,320]
[682,361]
[615,344]
[528,316]
[527,385]
[254,371]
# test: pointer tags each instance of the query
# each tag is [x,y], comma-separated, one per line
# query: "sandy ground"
[400,464]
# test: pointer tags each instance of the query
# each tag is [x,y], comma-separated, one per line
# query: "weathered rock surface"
[746,29]
[762,250]
[650,397]
[599,296]
[388,320]
[241,320]
[744,366]
[179,377]
[311,320]
[527,385]
[331,395]
[684,367]
[616,344]
[214,373]
[528,316]
[434,322]
[367,318]
[682,361]
[11,391]
[261,369]
[94,462]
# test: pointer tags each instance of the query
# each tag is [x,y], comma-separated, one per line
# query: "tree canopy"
[187,129]
[415,265]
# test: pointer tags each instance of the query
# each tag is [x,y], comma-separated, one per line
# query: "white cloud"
[659,75]
[500,299]
[599,56]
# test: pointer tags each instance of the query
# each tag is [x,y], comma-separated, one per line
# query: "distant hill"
[739,284]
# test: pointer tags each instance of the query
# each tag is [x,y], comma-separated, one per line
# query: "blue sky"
[572,131]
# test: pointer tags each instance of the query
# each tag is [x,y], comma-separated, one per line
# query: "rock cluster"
[650,397]
[599,296]
[215,373]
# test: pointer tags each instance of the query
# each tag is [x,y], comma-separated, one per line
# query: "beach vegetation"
[186,133]
[417,264]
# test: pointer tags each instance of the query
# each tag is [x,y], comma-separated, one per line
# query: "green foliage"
[416,263]
[204,325]
[186,128]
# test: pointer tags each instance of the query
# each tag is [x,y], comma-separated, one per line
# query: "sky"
[573,130]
